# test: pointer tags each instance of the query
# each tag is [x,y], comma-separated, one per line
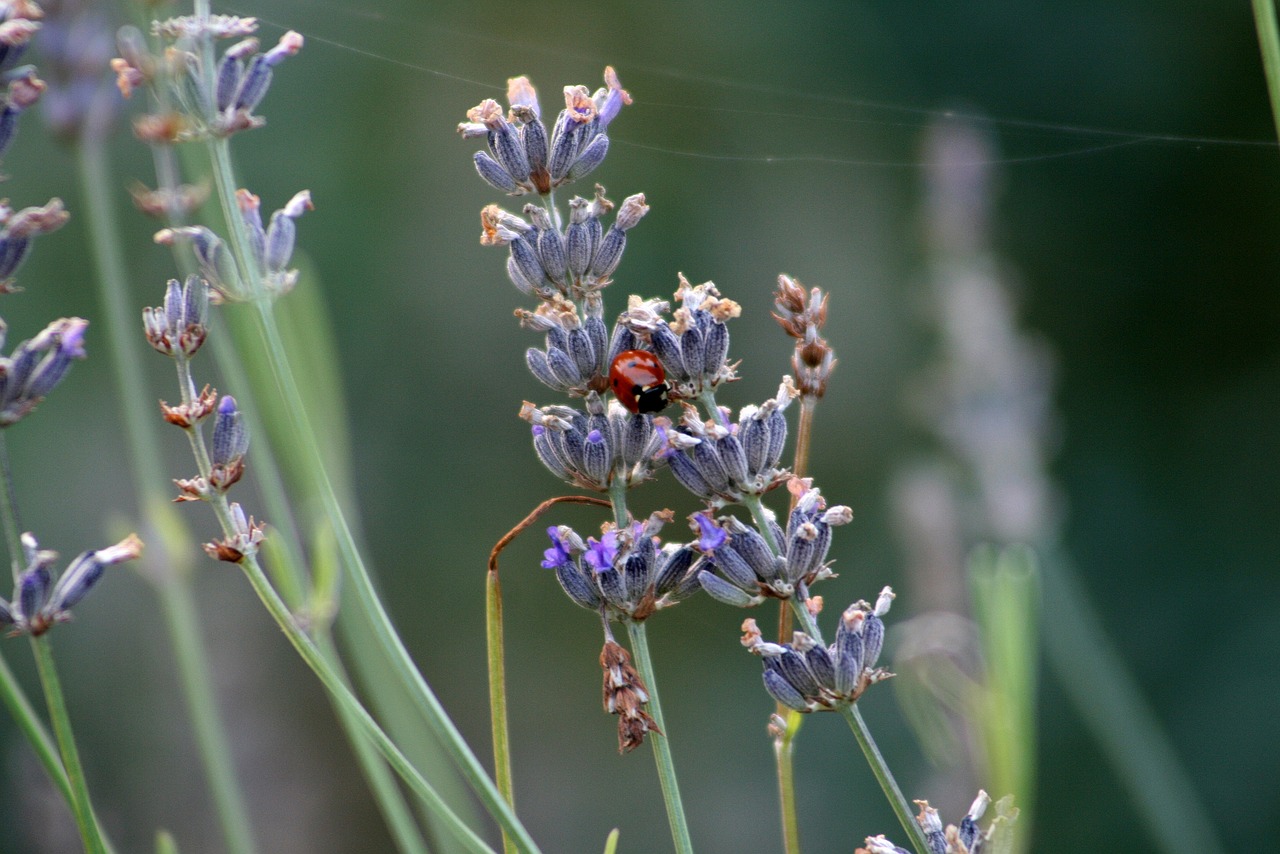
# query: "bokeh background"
[1135,197]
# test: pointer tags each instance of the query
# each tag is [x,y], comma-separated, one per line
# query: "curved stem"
[884,777]
[80,804]
[661,746]
[380,622]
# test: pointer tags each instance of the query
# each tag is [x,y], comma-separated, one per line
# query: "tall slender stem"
[661,745]
[9,514]
[61,721]
[165,531]
[1264,18]
[880,768]
[784,747]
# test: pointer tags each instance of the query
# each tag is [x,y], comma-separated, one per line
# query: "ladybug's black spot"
[651,399]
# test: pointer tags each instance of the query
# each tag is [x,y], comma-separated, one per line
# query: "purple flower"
[711,536]
[603,552]
[558,554]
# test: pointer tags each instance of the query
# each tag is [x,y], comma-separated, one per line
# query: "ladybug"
[639,382]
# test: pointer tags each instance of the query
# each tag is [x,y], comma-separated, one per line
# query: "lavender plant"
[649,360]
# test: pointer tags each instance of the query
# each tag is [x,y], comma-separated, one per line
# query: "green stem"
[1264,17]
[784,755]
[879,767]
[784,749]
[884,777]
[29,722]
[338,690]
[181,617]
[80,804]
[496,649]
[385,633]
[315,659]
[404,830]
[9,515]
[661,745]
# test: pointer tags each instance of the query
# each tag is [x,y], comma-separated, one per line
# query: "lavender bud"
[849,651]
[612,587]
[579,585]
[526,260]
[819,661]
[230,435]
[722,591]
[584,355]
[872,639]
[230,72]
[494,175]
[541,368]
[564,146]
[637,430]
[609,254]
[13,249]
[253,85]
[734,460]
[673,566]
[79,578]
[599,336]
[715,349]
[549,453]
[687,473]
[579,245]
[592,156]
[551,251]
[597,462]
[517,277]
[7,617]
[783,691]
[754,433]
[33,591]
[791,665]
[534,137]
[636,575]
[504,142]
[710,467]
[777,438]
[734,568]
[667,348]
[564,367]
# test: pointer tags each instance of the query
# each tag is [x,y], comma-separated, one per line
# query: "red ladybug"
[639,382]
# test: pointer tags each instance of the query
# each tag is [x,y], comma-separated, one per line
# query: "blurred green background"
[767,137]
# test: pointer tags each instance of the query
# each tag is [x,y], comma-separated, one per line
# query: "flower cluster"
[270,248]
[722,462]
[35,366]
[805,676]
[40,602]
[624,573]
[694,345]
[576,262]
[742,566]
[802,316]
[521,157]
[965,838]
[19,21]
[595,449]
[178,329]
[217,104]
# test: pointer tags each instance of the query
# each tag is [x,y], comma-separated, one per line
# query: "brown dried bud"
[625,696]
